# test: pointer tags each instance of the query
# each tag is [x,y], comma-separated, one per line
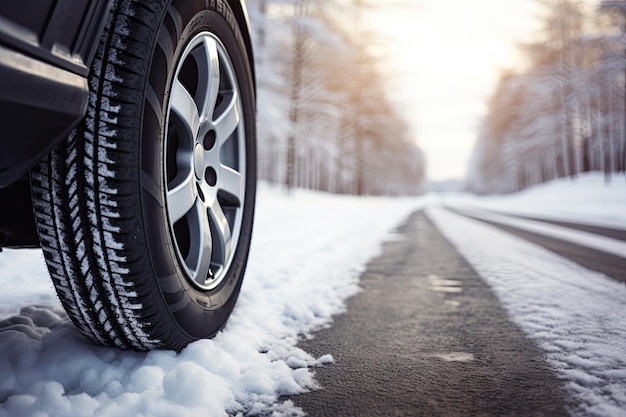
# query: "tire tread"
[95,273]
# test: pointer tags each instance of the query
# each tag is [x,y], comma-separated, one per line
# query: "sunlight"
[443,59]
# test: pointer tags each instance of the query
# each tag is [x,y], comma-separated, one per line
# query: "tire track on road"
[617,234]
[428,337]
[611,265]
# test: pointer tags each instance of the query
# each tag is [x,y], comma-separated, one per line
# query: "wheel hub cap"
[198,161]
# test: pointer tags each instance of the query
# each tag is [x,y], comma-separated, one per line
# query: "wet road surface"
[427,337]
[610,265]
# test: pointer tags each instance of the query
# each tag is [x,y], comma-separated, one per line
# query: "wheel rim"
[205,161]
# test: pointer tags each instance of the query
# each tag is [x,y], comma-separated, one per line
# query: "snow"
[308,250]
[588,199]
[590,240]
[575,315]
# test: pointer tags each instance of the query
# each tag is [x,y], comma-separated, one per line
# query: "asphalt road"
[427,337]
[598,230]
[610,265]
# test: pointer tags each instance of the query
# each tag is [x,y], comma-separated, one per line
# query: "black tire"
[136,263]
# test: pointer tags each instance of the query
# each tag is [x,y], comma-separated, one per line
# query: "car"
[128,154]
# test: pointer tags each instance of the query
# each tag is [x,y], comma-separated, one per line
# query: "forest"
[565,112]
[325,121]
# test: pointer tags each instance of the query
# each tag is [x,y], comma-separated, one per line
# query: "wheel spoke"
[228,121]
[231,181]
[183,104]
[221,230]
[181,198]
[199,258]
[213,88]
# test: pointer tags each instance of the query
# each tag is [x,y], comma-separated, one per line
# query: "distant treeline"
[565,113]
[324,119]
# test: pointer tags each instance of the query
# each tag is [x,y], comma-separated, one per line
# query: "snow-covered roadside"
[575,315]
[308,250]
[589,199]
[605,244]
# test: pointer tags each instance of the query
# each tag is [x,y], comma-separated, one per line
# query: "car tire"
[145,212]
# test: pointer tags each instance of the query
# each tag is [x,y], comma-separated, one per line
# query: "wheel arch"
[241,14]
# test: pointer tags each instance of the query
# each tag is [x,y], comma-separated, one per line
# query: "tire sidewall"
[198,313]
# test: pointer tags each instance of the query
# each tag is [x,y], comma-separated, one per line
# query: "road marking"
[439,284]
[455,357]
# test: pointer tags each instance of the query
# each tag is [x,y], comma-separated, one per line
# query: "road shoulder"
[426,336]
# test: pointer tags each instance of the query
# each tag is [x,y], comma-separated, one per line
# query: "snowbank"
[589,199]
[308,250]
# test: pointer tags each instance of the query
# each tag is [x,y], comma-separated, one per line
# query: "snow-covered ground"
[589,199]
[308,250]
[575,315]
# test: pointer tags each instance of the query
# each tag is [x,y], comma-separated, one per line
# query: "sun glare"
[443,60]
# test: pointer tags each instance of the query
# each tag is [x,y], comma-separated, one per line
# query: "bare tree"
[324,119]
[566,113]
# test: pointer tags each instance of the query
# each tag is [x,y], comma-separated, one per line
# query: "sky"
[442,59]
